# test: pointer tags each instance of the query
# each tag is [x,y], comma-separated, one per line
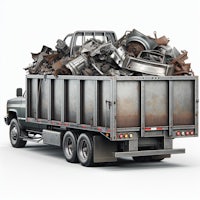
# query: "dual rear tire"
[78,148]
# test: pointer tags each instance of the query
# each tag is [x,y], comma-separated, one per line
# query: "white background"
[41,172]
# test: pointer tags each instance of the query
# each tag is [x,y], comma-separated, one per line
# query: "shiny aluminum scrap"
[134,54]
[149,63]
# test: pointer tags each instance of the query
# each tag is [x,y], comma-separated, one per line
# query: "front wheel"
[85,150]
[15,131]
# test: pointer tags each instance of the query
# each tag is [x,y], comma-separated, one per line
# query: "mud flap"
[104,150]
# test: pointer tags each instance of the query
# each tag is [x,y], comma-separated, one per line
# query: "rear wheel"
[70,146]
[15,133]
[85,150]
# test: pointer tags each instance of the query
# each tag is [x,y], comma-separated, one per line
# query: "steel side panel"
[43,99]
[89,90]
[28,99]
[171,108]
[72,100]
[128,104]
[184,102]
[57,100]
[33,97]
[156,103]
[105,98]
[196,107]
[50,93]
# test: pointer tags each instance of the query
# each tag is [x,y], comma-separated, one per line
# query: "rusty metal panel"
[104,109]
[156,103]
[57,99]
[183,113]
[88,101]
[72,100]
[33,97]
[128,104]
[43,99]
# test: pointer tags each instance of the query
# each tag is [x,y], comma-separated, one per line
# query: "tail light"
[191,132]
[107,134]
[130,135]
[185,133]
[178,133]
[182,133]
[125,135]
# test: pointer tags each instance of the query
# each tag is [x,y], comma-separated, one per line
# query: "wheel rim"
[69,146]
[84,149]
[14,134]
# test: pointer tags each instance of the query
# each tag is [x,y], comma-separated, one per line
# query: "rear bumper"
[149,153]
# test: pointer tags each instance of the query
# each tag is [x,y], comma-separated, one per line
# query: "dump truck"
[98,119]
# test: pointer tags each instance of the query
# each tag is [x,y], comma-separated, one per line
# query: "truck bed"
[148,106]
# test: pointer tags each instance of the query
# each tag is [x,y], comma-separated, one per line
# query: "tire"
[69,146]
[85,150]
[15,133]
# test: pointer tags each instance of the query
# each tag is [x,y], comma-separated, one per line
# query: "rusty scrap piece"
[48,61]
[60,68]
[51,58]
[184,69]
[39,59]
[62,47]
[122,41]
[38,62]
[180,60]
[105,67]
[180,66]
[134,48]
[147,42]
[87,72]
[162,40]
[62,71]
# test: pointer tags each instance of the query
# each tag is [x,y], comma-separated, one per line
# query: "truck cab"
[16,107]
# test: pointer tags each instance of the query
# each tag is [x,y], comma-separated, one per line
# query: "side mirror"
[19,92]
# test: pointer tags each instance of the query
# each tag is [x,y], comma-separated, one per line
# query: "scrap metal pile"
[134,54]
